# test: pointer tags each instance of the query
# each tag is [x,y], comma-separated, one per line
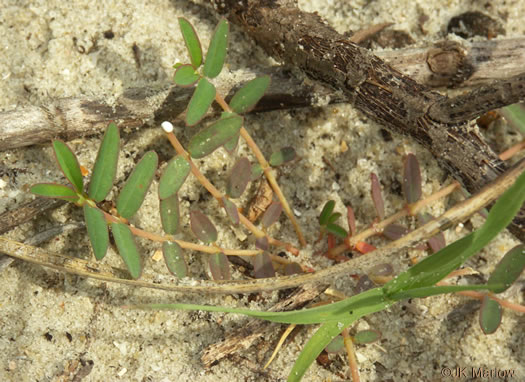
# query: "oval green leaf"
[509,268]
[202,227]
[367,336]
[209,139]
[326,212]
[173,177]
[106,165]
[68,164]
[217,50]
[174,259]
[336,230]
[127,248]
[98,232]
[336,345]
[192,42]
[231,145]
[489,315]
[170,215]
[282,156]
[247,97]
[231,210]
[185,76]
[136,187]
[55,191]
[239,178]
[411,179]
[219,266]
[200,101]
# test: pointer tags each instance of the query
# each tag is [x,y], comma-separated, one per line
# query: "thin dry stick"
[453,216]
[265,166]
[350,352]
[168,128]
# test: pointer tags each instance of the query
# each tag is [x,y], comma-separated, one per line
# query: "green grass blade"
[315,345]
[249,94]
[214,136]
[200,101]
[368,302]
[185,76]
[55,191]
[106,165]
[136,187]
[174,258]
[192,42]
[217,50]
[98,232]
[170,215]
[435,267]
[326,212]
[173,177]
[509,268]
[68,164]
[127,248]
[435,290]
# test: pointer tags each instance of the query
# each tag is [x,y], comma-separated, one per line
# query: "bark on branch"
[440,124]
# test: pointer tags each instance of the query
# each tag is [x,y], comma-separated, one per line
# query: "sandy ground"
[54,326]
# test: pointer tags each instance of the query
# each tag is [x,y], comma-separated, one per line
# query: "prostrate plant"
[421,280]
[224,132]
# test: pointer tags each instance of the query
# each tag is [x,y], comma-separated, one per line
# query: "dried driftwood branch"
[439,123]
[442,64]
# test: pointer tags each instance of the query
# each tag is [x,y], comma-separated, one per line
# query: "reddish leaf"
[262,266]
[239,177]
[411,179]
[395,231]
[231,210]
[351,220]
[219,266]
[272,214]
[377,198]
[202,227]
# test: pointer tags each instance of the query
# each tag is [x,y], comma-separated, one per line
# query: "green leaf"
[173,177]
[192,42]
[366,337]
[336,230]
[219,266]
[336,345]
[136,187]
[282,156]
[435,267]
[55,191]
[209,139]
[170,215]
[249,94]
[217,50]
[98,232]
[202,227]
[231,145]
[68,164]
[106,165]
[509,268]
[174,259]
[257,171]
[185,76]
[231,210]
[239,178]
[127,248]
[333,218]
[326,212]
[200,101]
[489,315]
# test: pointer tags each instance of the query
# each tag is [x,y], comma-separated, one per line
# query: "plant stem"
[350,352]
[218,195]
[184,244]
[411,209]
[267,173]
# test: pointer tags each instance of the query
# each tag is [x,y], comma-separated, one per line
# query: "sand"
[55,326]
